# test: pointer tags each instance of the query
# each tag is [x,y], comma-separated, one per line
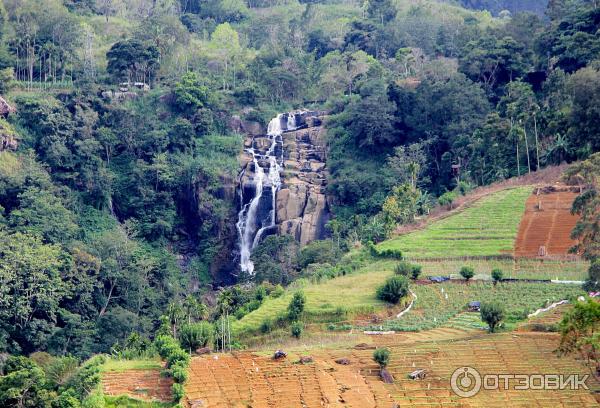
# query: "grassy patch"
[126,402]
[331,300]
[114,365]
[441,305]
[487,228]
[516,269]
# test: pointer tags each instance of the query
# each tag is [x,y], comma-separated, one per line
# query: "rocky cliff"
[300,204]
[302,209]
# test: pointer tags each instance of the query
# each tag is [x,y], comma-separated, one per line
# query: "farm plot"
[487,228]
[146,385]
[547,223]
[331,300]
[439,305]
[246,379]
[522,353]
[521,268]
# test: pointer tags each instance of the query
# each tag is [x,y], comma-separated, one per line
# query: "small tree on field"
[196,335]
[492,313]
[394,289]
[297,329]
[416,271]
[296,306]
[467,272]
[382,357]
[497,275]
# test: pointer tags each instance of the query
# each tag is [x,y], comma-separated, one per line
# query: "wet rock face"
[301,204]
[301,208]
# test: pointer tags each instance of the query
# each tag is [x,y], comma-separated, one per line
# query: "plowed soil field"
[147,385]
[250,380]
[547,223]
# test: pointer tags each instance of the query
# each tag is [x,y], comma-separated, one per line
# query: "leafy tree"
[497,275]
[296,306]
[409,163]
[297,329]
[467,272]
[494,61]
[579,332]
[196,335]
[132,60]
[191,94]
[584,89]
[492,313]
[394,289]
[382,11]
[275,259]
[382,357]
[587,206]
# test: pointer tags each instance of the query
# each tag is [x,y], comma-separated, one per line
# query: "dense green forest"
[118,164]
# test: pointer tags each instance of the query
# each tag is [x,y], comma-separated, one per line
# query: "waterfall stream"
[258,202]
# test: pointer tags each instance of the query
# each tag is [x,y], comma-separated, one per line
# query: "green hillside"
[487,228]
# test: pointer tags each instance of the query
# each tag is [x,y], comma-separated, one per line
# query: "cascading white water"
[250,227]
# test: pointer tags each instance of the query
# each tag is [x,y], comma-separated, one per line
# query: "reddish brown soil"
[146,385]
[547,223]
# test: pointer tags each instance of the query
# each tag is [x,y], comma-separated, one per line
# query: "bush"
[178,391]
[179,371]
[497,275]
[394,289]
[277,292]
[296,306]
[407,269]
[196,335]
[266,326]
[297,329]
[382,357]
[446,199]
[416,271]
[467,272]
[318,252]
[593,281]
[492,313]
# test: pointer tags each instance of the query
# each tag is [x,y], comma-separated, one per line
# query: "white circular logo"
[465,382]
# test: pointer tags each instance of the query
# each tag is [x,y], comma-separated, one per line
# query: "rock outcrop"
[302,209]
[300,204]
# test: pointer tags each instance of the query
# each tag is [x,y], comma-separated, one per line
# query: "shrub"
[497,275]
[297,329]
[178,356]
[261,293]
[467,272]
[382,357]
[277,291]
[394,289]
[403,268]
[179,372]
[178,391]
[447,198]
[407,269]
[593,281]
[492,313]
[196,335]
[296,306]
[266,326]
[416,271]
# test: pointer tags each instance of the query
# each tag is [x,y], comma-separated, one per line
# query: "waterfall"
[258,211]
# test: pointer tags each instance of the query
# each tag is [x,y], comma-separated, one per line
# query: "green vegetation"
[492,313]
[497,275]
[467,272]
[489,227]
[126,402]
[394,289]
[382,357]
[439,305]
[120,365]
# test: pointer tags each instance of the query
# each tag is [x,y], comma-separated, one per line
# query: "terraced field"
[249,379]
[487,228]
[546,225]
[146,385]
[441,305]
[520,268]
